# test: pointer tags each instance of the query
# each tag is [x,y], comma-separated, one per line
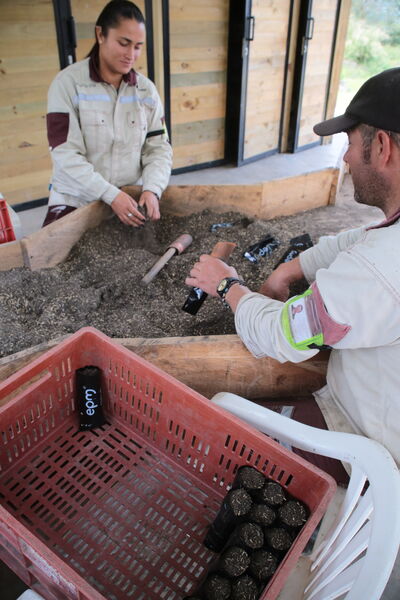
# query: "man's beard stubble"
[373,190]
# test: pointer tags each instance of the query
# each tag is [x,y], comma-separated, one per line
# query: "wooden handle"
[158,265]
[182,242]
[223,250]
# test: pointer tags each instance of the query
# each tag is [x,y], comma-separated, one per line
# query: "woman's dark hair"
[112,14]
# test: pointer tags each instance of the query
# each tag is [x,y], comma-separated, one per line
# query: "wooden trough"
[228,364]
[225,360]
[277,198]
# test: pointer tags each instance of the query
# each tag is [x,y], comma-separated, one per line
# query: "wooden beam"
[284,197]
[228,364]
[291,60]
[338,54]
[280,197]
[11,256]
[51,245]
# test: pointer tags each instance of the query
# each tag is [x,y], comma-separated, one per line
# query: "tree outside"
[372,45]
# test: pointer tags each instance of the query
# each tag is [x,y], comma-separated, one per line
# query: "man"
[353,303]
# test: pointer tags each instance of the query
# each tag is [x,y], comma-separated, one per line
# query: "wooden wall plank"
[198,47]
[29,61]
[198,103]
[266,76]
[296,194]
[198,153]
[317,70]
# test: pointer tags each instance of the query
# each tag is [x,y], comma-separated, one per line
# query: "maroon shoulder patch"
[57,128]
[332,330]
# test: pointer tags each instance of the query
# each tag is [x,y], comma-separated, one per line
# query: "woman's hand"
[208,273]
[150,201]
[125,207]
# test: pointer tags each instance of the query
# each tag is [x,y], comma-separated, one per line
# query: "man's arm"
[278,283]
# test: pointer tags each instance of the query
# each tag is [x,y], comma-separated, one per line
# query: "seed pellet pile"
[99,284]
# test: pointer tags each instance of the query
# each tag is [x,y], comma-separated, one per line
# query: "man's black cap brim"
[335,125]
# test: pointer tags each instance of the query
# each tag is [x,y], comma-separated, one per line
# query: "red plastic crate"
[121,512]
[6,229]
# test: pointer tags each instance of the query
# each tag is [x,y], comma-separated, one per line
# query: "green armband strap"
[300,322]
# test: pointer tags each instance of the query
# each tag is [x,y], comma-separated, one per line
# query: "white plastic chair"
[356,557]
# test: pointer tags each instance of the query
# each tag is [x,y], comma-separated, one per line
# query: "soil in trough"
[99,283]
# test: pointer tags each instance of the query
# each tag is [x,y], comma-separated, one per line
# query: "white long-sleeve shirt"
[101,139]
[355,280]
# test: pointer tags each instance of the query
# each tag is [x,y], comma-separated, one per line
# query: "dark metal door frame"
[241,30]
[304,35]
[65,29]
[167,68]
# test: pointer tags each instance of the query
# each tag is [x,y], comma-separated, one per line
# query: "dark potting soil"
[245,588]
[249,478]
[247,535]
[278,538]
[272,494]
[261,514]
[99,284]
[217,588]
[293,513]
[263,564]
[234,561]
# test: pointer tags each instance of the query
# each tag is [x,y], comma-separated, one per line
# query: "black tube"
[89,397]
[194,300]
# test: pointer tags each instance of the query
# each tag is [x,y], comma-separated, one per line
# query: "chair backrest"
[357,555]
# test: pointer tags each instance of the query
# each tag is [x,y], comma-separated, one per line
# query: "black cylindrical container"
[272,493]
[216,587]
[248,536]
[278,539]
[296,245]
[89,397]
[194,301]
[262,514]
[263,247]
[293,513]
[249,478]
[263,564]
[233,561]
[234,506]
[245,588]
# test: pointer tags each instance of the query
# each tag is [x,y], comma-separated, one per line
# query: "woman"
[105,125]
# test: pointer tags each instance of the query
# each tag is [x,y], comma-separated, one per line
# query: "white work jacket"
[355,294]
[101,139]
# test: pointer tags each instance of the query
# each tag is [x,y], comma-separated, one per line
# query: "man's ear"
[383,146]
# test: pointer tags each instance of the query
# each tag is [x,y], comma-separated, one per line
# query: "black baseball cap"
[377,103]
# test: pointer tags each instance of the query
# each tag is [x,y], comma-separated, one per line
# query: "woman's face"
[121,48]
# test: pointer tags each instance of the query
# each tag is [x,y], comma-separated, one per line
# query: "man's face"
[370,187]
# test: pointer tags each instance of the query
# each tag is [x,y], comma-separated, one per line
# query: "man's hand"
[125,207]
[275,287]
[150,201]
[278,283]
[208,273]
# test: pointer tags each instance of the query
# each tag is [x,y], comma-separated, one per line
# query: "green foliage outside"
[372,45]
